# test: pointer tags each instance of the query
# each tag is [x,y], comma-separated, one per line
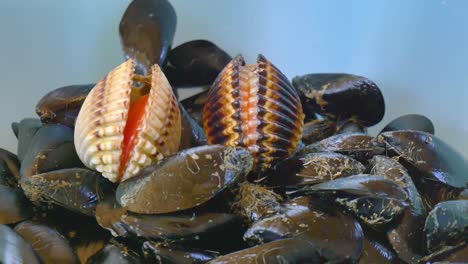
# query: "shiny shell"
[99,129]
[256,107]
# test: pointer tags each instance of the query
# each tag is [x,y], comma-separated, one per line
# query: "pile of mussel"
[255,169]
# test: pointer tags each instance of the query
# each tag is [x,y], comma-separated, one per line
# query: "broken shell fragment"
[256,107]
[186,180]
[122,128]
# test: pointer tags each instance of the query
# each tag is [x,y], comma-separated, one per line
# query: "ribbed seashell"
[100,125]
[256,107]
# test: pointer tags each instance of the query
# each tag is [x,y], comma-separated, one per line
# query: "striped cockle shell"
[256,107]
[99,128]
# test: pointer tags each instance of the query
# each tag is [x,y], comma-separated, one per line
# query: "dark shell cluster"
[268,170]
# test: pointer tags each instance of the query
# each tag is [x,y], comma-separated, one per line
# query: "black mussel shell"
[51,148]
[157,253]
[317,130]
[14,206]
[350,126]
[62,105]
[48,243]
[193,134]
[15,128]
[357,145]
[463,195]
[27,128]
[14,249]
[255,201]
[410,122]
[447,224]
[313,168]
[375,252]
[115,253]
[341,96]
[195,63]
[289,250]
[194,106]
[406,237]
[185,180]
[328,231]
[75,189]
[450,254]
[9,168]
[439,172]
[146,31]
[179,227]
[374,200]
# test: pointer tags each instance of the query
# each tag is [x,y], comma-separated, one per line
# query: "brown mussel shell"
[9,168]
[254,106]
[27,128]
[328,231]
[375,200]
[313,168]
[437,169]
[75,189]
[63,104]
[48,243]
[317,130]
[357,145]
[115,253]
[146,30]
[341,96]
[14,207]
[185,180]
[410,122]
[195,63]
[447,225]
[157,253]
[14,248]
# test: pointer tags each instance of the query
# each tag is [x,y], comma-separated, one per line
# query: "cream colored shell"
[99,128]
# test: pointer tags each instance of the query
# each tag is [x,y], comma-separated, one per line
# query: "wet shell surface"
[103,123]
[256,107]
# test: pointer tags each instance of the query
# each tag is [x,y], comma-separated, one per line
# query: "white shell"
[99,128]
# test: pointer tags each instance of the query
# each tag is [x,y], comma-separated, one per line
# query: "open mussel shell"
[447,224]
[14,249]
[410,122]
[156,253]
[317,130]
[115,253]
[256,107]
[357,145]
[375,200]
[48,243]
[63,104]
[146,31]
[436,168]
[75,189]
[102,123]
[27,128]
[195,63]
[341,96]
[14,207]
[406,237]
[328,231]
[194,106]
[185,180]
[9,168]
[313,168]
[255,201]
